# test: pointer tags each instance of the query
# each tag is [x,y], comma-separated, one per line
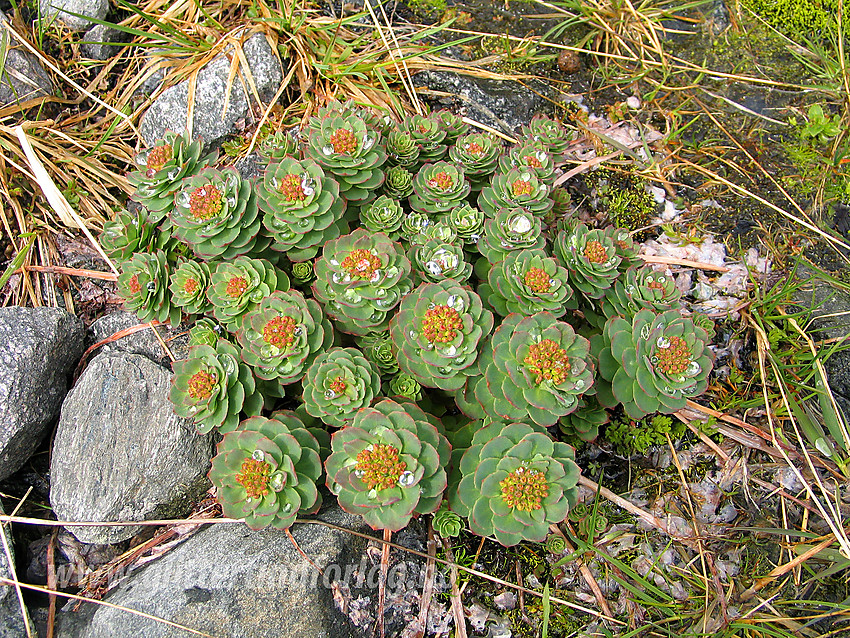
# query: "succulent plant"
[529,157]
[238,286]
[188,287]
[591,258]
[143,283]
[338,383]
[216,213]
[206,332]
[527,281]
[467,222]
[404,386]
[279,145]
[437,333]
[625,246]
[653,362]
[516,482]
[384,215]
[402,149]
[477,154]
[417,229]
[437,260]
[398,184]
[583,424]
[533,367]
[388,465]
[637,289]
[378,348]
[429,133]
[282,335]
[343,146]
[437,188]
[452,124]
[548,135]
[212,387]
[360,278]
[128,234]
[267,471]
[301,207]
[302,273]
[563,202]
[512,229]
[161,169]
[517,188]
[446,523]
[702,320]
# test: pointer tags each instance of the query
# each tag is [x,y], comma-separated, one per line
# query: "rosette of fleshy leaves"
[533,367]
[429,134]
[529,157]
[238,286]
[639,288]
[404,386]
[206,332]
[344,147]
[402,149]
[477,154]
[302,273]
[467,222]
[398,183]
[301,207]
[384,215]
[517,188]
[128,234]
[161,168]
[279,145]
[438,331]
[143,283]
[216,213]
[360,278]
[212,387]
[549,135]
[388,465]
[516,482]
[446,523]
[379,349]
[437,260]
[582,426]
[452,124]
[188,287]
[512,229]
[437,188]
[653,362]
[527,281]
[267,471]
[591,259]
[417,229]
[338,383]
[626,247]
[282,336]
[702,320]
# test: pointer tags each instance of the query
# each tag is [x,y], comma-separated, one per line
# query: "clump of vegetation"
[813,18]
[625,199]
[630,436]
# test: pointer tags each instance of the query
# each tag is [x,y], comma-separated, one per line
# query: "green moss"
[810,18]
[623,197]
[428,7]
[635,437]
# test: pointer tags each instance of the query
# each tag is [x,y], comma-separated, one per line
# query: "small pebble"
[569,62]
[505,600]
[633,102]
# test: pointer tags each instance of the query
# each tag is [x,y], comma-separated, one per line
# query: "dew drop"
[693,369]
[151,286]
[336,277]
[173,174]
[192,410]
[276,482]
[662,342]
[413,334]
[258,455]
[334,262]
[337,488]
[368,141]
[373,494]
[328,150]
[579,385]
[519,224]
[359,473]
[451,351]
[330,394]
[406,479]
[286,508]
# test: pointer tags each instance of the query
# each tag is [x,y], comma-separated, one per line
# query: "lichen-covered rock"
[63,11]
[170,110]
[120,451]
[39,348]
[23,77]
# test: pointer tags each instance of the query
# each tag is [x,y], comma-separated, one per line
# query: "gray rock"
[62,10]
[23,78]
[501,104]
[142,342]
[170,110]
[39,348]
[11,616]
[229,581]
[99,42]
[121,454]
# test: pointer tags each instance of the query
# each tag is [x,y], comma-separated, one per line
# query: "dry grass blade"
[10,565]
[585,572]
[428,585]
[457,603]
